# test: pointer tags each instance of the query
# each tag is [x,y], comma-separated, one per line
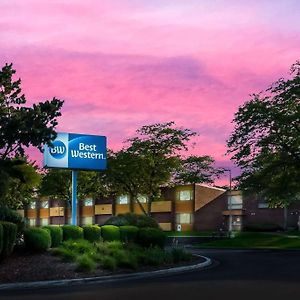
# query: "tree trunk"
[131,203]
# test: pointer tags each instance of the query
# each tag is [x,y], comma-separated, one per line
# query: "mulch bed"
[25,267]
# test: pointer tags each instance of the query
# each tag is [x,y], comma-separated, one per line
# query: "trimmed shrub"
[92,233]
[128,233]
[151,237]
[37,239]
[72,232]
[9,215]
[132,219]
[1,238]
[110,233]
[262,227]
[85,264]
[56,235]
[9,238]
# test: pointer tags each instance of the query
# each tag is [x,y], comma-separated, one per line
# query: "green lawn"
[257,241]
[189,233]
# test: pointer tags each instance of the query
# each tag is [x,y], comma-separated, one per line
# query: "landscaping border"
[104,279]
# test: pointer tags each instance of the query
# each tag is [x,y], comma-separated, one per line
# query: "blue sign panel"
[77,152]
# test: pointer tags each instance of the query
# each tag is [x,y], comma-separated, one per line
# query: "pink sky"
[125,63]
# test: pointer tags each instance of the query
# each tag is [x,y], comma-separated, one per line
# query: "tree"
[265,142]
[21,186]
[197,169]
[22,126]
[159,145]
[57,183]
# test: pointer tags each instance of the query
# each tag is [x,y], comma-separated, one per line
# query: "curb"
[104,279]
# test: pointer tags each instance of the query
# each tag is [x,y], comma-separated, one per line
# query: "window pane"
[88,202]
[184,218]
[142,198]
[236,202]
[123,199]
[32,222]
[263,205]
[185,195]
[44,204]
[32,205]
[44,221]
[87,220]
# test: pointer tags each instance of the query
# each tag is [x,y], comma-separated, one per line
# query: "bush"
[133,220]
[66,254]
[151,237]
[108,262]
[9,215]
[8,238]
[262,227]
[92,233]
[72,232]
[37,239]
[85,264]
[153,256]
[128,233]
[110,233]
[56,235]
[179,254]
[78,246]
[124,259]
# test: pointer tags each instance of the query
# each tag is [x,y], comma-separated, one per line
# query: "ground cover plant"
[112,255]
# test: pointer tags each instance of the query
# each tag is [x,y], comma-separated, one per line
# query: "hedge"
[110,233]
[9,238]
[56,233]
[128,233]
[37,239]
[92,233]
[151,237]
[132,219]
[12,216]
[72,232]
[262,227]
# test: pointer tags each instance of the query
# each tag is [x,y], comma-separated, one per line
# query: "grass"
[257,240]
[87,256]
[189,233]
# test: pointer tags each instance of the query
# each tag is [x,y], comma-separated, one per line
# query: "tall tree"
[159,145]
[22,126]
[265,142]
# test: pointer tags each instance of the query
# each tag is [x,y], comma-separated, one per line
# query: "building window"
[263,205]
[32,205]
[184,218]
[185,195]
[44,221]
[123,199]
[32,222]
[88,202]
[45,204]
[142,198]
[236,202]
[87,220]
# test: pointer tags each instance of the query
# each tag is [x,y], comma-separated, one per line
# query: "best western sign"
[77,152]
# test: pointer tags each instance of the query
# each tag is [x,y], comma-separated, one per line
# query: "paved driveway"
[235,275]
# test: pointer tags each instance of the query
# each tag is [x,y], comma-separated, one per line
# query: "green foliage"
[9,215]
[133,220]
[129,233]
[56,233]
[9,238]
[67,255]
[72,232]
[125,259]
[108,263]
[37,239]
[85,264]
[265,142]
[1,238]
[262,227]
[79,246]
[21,126]
[92,233]
[179,255]
[151,237]
[110,233]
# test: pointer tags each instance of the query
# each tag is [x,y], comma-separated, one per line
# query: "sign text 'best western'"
[76,151]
